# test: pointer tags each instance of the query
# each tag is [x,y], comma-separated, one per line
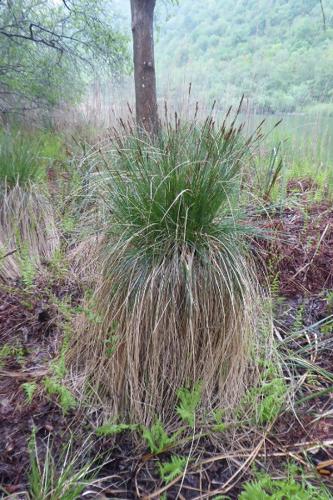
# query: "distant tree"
[48,47]
[144,65]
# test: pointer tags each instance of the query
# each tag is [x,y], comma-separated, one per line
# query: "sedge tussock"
[178,301]
[27,228]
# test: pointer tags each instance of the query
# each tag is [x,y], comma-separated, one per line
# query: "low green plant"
[29,389]
[54,384]
[65,397]
[57,264]
[53,480]
[89,308]
[68,223]
[272,171]
[28,268]
[112,429]
[188,401]
[20,159]
[267,398]
[265,487]
[157,438]
[219,425]
[329,300]
[173,468]
[8,350]
[275,285]
[298,322]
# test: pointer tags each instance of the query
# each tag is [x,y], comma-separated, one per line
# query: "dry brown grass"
[180,325]
[27,223]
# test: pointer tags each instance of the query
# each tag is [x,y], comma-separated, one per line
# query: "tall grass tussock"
[27,225]
[178,301]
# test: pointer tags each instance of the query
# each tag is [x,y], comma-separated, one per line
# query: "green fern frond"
[111,429]
[266,487]
[29,389]
[156,437]
[188,402]
[219,425]
[170,470]
[66,398]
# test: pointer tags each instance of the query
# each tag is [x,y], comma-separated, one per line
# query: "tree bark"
[144,64]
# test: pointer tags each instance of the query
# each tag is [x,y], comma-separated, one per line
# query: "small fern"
[66,399]
[58,366]
[219,425]
[188,402]
[265,488]
[298,319]
[28,267]
[156,437]
[29,389]
[268,397]
[8,350]
[112,429]
[170,470]
[275,284]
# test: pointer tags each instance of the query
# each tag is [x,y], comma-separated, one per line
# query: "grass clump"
[28,233]
[178,289]
[20,159]
[65,478]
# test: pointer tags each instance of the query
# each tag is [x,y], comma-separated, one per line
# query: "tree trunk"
[144,65]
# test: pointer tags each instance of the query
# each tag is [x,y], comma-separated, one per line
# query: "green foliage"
[48,50]
[54,384]
[29,389]
[267,398]
[248,47]
[182,189]
[28,268]
[89,310]
[58,265]
[51,480]
[265,487]
[112,429]
[188,402]
[170,470]
[298,319]
[58,366]
[156,437]
[219,425]
[268,175]
[275,284]
[8,350]
[329,300]
[327,327]
[66,399]
[20,159]
[68,223]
